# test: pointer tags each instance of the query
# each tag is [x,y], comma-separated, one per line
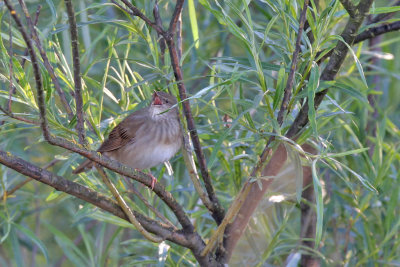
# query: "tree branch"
[137,13]
[350,7]
[46,62]
[290,81]
[378,30]
[334,64]
[104,161]
[35,65]
[217,211]
[89,195]
[80,126]
[132,218]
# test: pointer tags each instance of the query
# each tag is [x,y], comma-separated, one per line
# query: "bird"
[146,138]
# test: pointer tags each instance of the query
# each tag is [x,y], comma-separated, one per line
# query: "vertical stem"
[80,127]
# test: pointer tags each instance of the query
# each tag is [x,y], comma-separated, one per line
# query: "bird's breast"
[153,144]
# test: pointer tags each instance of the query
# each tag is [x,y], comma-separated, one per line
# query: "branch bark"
[333,66]
[217,210]
[80,126]
[290,80]
[48,66]
[89,195]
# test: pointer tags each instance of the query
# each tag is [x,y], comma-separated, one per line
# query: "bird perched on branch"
[145,138]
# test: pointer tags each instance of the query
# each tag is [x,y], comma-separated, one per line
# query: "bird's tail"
[87,164]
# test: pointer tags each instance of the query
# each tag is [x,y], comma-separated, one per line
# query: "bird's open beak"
[156,99]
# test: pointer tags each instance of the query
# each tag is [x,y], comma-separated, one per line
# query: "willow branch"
[290,81]
[134,11]
[42,52]
[128,212]
[378,30]
[217,210]
[89,195]
[335,62]
[80,127]
[141,177]
[132,190]
[350,7]
[158,21]
[35,65]
[35,22]
[115,166]
[27,180]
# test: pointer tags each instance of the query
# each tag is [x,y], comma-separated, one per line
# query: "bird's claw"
[153,181]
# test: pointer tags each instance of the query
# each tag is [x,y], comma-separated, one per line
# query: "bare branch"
[46,62]
[290,81]
[378,30]
[132,189]
[137,13]
[90,196]
[35,65]
[141,177]
[157,17]
[11,115]
[350,7]
[11,89]
[217,210]
[27,180]
[80,126]
[125,207]
[333,66]
[39,7]
[175,17]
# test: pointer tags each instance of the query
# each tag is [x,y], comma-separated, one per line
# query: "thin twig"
[378,30]
[80,126]
[104,161]
[290,80]
[125,207]
[136,12]
[161,40]
[11,115]
[333,66]
[90,196]
[11,89]
[39,7]
[27,180]
[217,212]
[179,37]
[46,62]
[132,189]
[35,65]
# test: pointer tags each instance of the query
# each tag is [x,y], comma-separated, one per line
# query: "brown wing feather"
[124,132]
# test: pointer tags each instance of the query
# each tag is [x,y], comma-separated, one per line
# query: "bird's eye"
[166,101]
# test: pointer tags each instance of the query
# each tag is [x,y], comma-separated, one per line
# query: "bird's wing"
[124,132]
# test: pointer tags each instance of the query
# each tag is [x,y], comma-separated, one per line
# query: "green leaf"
[28,233]
[320,203]
[193,23]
